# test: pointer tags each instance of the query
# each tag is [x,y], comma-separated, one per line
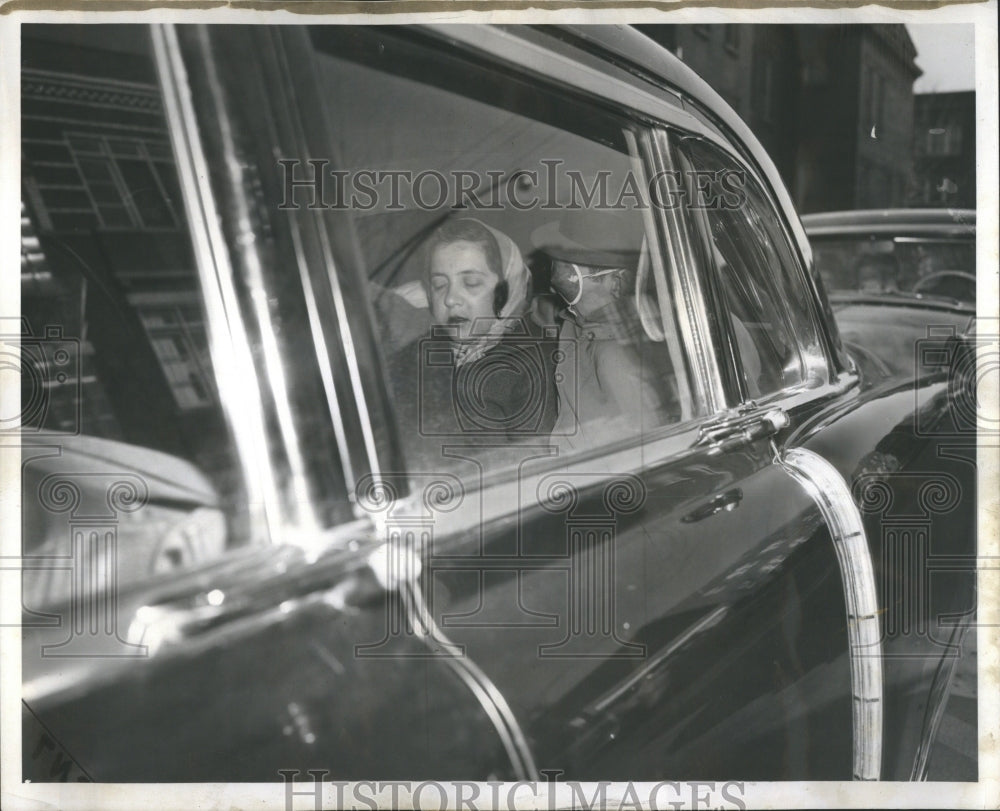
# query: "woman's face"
[462,287]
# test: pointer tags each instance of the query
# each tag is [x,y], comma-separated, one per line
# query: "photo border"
[984,794]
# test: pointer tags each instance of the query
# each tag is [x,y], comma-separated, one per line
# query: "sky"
[945,54]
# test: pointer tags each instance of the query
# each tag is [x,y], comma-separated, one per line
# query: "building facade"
[833,105]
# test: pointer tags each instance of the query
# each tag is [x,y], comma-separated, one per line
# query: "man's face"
[462,287]
[585,289]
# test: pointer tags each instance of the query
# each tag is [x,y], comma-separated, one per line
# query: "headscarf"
[516,274]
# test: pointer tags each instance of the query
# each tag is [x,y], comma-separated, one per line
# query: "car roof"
[940,222]
[643,56]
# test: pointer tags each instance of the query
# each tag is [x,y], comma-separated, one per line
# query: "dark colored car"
[764,571]
[895,276]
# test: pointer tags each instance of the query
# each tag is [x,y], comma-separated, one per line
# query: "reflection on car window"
[506,257]
[767,301]
[119,377]
[935,268]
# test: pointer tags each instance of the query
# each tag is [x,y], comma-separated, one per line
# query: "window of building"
[177,333]
[943,140]
[130,182]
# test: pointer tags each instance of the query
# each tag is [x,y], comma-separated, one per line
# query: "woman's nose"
[451,298]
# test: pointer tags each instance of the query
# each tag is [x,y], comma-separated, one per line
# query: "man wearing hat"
[612,381]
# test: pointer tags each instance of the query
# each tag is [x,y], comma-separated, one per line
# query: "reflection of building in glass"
[104,208]
[944,148]
[832,105]
[52,394]
[106,255]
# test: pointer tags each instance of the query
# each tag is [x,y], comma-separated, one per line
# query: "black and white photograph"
[541,412]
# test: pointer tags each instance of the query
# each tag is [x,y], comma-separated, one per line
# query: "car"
[377,287]
[895,276]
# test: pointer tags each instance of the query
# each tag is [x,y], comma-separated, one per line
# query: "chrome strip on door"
[478,683]
[827,488]
[230,350]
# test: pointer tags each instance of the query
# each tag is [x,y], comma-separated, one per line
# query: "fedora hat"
[605,238]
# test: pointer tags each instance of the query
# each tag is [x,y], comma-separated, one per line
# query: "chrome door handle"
[727,501]
[735,432]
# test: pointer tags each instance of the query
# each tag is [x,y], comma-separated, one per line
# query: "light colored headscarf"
[517,276]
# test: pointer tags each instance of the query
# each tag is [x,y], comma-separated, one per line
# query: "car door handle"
[736,431]
[727,501]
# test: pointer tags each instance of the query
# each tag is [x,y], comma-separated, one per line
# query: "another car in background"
[894,274]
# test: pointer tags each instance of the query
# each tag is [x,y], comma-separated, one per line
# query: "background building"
[832,104]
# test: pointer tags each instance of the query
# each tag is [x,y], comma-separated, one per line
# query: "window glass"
[762,288]
[936,268]
[502,234]
[119,376]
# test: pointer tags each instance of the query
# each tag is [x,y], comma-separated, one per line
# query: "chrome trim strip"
[479,684]
[343,325]
[229,345]
[827,488]
[506,46]
[686,273]
[662,295]
[252,272]
[325,362]
[353,369]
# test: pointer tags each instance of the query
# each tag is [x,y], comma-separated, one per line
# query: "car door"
[662,600]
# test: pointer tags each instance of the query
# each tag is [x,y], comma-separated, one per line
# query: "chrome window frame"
[517,52]
[231,349]
[821,372]
[229,344]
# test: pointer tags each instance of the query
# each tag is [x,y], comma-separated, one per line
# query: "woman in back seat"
[486,369]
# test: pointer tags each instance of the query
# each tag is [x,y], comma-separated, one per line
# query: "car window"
[763,292]
[517,295]
[936,268]
[120,371]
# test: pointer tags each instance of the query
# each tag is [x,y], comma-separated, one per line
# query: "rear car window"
[937,268]
[434,150]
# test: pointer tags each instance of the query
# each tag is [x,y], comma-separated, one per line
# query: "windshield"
[943,269]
